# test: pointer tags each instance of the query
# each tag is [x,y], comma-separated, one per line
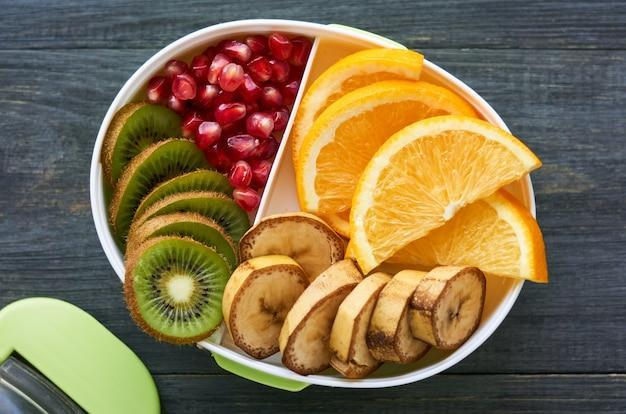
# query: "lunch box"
[332,42]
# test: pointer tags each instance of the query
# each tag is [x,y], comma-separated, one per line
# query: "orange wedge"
[349,132]
[423,175]
[352,72]
[496,234]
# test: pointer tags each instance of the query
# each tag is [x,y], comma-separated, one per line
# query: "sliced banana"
[257,298]
[351,357]
[302,236]
[389,336]
[304,338]
[447,306]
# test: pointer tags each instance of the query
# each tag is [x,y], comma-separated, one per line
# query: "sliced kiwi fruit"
[174,287]
[133,128]
[215,206]
[201,180]
[160,161]
[192,225]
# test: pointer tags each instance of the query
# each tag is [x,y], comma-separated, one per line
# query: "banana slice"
[447,306]
[257,298]
[351,357]
[389,336]
[302,236]
[305,334]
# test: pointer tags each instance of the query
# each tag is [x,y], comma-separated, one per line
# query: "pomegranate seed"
[231,77]
[257,44]
[176,104]
[219,61]
[240,147]
[260,125]
[237,50]
[252,107]
[290,91]
[260,172]
[228,113]
[190,124]
[300,51]
[271,97]
[205,95]
[200,67]
[280,117]
[240,175]
[246,198]
[210,52]
[175,67]
[159,89]
[208,134]
[266,149]
[184,87]
[260,69]
[250,91]
[224,97]
[218,158]
[280,46]
[234,128]
[280,70]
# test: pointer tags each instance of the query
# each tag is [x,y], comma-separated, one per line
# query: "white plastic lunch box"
[332,42]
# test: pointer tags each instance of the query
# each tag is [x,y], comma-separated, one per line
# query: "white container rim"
[197,39]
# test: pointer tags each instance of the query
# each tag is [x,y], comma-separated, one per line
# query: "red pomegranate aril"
[241,147]
[240,175]
[234,128]
[260,172]
[158,90]
[206,95]
[175,67]
[228,113]
[246,198]
[184,87]
[280,117]
[260,124]
[280,70]
[271,97]
[260,69]
[210,52]
[176,104]
[280,46]
[190,124]
[219,61]
[252,107]
[224,97]
[266,149]
[300,52]
[217,157]
[257,44]
[231,77]
[208,134]
[290,90]
[237,51]
[249,90]
[200,67]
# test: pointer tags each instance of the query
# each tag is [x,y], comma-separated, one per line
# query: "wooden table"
[555,71]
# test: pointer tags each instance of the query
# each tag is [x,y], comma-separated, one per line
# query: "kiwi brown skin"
[110,138]
[131,300]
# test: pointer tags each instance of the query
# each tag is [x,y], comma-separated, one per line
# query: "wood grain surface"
[554,71]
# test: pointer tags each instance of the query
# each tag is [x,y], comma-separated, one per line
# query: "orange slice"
[423,175]
[496,234]
[350,131]
[352,72]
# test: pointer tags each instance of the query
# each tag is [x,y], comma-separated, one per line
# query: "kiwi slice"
[192,225]
[174,288]
[133,128]
[160,161]
[201,180]
[216,206]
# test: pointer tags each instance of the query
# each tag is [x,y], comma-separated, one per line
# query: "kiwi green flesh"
[221,209]
[201,180]
[147,125]
[210,236]
[168,160]
[176,289]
